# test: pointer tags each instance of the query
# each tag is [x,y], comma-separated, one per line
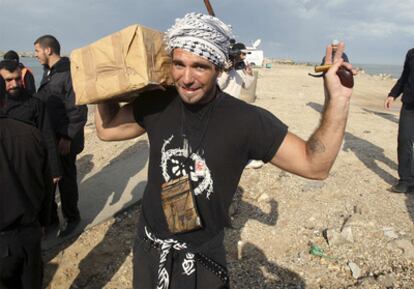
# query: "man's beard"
[15,92]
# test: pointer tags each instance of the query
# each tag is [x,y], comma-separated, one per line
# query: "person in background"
[235,76]
[404,86]
[238,74]
[27,74]
[68,122]
[21,106]
[25,198]
[334,45]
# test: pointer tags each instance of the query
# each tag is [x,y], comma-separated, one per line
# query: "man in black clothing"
[27,75]
[201,138]
[25,198]
[20,105]
[405,86]
[68,121]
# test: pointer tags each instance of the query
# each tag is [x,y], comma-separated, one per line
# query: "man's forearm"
[115,123]
[324,144]
[314,158]
[105,113]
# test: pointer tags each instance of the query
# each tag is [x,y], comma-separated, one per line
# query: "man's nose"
[13,83]
[188,77]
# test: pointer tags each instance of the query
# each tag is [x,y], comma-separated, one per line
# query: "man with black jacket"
[68,121]
[405,85]
[20,105]
[25,198]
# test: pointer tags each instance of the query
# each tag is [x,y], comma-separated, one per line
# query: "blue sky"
[374,31]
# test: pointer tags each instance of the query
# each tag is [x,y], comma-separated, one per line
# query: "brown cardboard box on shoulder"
[119,66]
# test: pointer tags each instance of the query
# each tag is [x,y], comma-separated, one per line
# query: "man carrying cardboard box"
[200,141]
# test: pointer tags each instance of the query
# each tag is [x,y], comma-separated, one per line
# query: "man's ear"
[48,51]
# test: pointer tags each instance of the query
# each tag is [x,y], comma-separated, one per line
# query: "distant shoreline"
[384,71]
[381,70]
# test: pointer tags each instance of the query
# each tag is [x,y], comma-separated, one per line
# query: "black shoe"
[401,187]
[70,227]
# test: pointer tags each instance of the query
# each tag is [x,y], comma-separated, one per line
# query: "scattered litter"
[315,250]
[356,271]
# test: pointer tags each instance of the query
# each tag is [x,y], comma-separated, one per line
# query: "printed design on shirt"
[173,167]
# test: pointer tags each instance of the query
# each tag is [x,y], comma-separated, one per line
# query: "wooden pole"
[209,8]
[322,68]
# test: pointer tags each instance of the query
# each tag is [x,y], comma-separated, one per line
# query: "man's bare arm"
[115,123]
[315,157]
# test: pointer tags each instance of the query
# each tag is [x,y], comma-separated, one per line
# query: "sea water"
[375,69]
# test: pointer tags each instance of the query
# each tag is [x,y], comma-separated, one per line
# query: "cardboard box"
[120,65]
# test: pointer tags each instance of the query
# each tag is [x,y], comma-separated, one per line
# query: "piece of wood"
[322,68]
[209,8]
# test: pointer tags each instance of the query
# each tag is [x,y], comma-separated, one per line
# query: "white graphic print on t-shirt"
[173,166]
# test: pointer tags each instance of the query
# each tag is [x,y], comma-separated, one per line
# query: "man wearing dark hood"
[25,199]
[20,105]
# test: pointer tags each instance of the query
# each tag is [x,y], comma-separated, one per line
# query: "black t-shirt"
[220,137]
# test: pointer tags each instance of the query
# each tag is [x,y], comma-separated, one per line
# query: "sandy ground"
[278,217]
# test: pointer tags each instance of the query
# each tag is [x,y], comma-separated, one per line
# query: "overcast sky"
[374,31]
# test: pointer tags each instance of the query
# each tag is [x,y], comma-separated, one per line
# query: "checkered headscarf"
[203,35]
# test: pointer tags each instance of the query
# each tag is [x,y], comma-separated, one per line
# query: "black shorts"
[146,264]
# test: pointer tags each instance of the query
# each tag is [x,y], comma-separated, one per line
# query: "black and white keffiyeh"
[173,252]
[166,247]
[203,35]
